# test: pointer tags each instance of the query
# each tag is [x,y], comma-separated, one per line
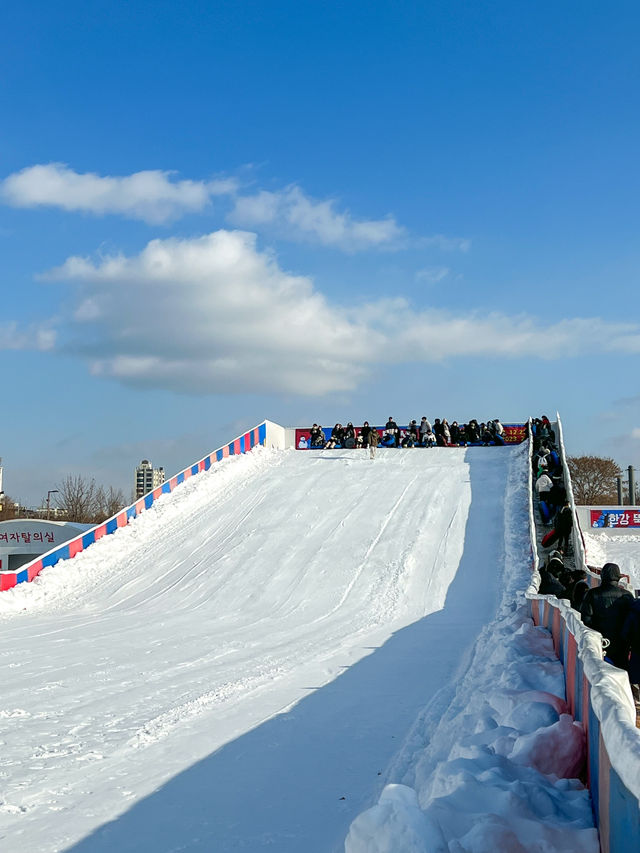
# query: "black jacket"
[563,521]
[605,609]
[550,585]
[631,640]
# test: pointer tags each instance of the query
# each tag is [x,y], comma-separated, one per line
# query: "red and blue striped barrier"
[242,444]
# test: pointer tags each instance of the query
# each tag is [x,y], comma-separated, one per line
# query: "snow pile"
[498,770]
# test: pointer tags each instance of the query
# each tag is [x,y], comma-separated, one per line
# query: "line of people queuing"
[609,608]
[417,434]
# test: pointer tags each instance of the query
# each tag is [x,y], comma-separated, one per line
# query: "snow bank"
[499,772]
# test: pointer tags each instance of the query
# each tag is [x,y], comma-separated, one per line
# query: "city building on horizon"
[147,478]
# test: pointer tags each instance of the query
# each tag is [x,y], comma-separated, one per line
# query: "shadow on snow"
[295,782]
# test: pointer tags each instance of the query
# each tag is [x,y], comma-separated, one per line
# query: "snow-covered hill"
[239,667]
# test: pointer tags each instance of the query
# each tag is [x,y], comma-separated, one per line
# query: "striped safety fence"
[241,444]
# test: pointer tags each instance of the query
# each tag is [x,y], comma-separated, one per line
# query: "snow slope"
[239,666]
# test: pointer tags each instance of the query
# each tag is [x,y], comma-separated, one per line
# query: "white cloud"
[156,197]
[34,337]
[150,195]
[213,314]
[432,275]
[293,214]
[635,432]
[216,314]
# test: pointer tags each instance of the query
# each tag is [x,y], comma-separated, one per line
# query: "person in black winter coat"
[550,585]
[349,436]
[631,640]
[336,437]
[579,588]
[605,609]
[316,436]
[563,524]
[473,431]
[365,432]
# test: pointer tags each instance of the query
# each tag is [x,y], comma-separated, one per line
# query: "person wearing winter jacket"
[349,436]
[550,584]
[316,436]
[631,640]
[544,484]
[579,588]
[373,442]
[473,431]
[336,437]
[365,432]
[391,428]
[424,428]
[605,609]
[563,525]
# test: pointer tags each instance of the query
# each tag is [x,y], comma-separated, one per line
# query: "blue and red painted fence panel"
[243,444]
[616,807]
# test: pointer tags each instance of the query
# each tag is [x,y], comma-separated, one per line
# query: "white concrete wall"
[276,436]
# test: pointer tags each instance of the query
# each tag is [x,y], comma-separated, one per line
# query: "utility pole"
[49,493]
[632,486]
[619,488]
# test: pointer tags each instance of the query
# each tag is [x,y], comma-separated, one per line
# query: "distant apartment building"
[147,478]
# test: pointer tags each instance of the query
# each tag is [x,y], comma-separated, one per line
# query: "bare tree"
[8,507]
[593,479]
[107,503]
[77,497]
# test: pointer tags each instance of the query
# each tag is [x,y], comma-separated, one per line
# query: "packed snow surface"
[250,662]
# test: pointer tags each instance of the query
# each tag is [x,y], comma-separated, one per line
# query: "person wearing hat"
[605,609]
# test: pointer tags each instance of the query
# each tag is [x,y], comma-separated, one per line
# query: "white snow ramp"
[237,668]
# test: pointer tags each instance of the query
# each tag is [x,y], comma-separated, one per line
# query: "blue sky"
[217,212]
